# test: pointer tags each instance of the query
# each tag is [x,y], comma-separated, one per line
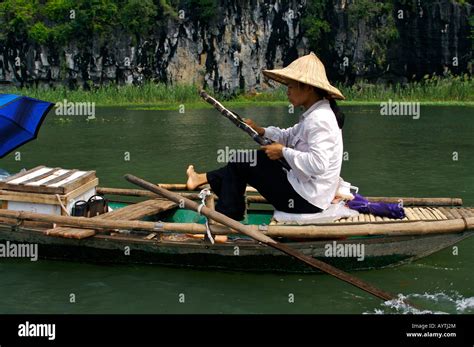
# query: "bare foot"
[194,179]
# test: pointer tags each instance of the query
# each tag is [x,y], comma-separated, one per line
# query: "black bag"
[80,209]
[96,205]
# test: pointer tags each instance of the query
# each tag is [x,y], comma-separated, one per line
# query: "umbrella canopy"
[20,120]
[381,209]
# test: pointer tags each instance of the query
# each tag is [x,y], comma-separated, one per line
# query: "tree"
[138,16]
[378,16]
[314,22]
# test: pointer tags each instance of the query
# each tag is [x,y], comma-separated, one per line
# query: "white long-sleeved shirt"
[313,149]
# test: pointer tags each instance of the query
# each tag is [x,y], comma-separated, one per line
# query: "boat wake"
[438,303]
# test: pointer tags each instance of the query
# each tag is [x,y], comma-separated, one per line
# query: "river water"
[385,156]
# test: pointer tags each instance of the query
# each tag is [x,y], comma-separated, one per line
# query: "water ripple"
[437,303]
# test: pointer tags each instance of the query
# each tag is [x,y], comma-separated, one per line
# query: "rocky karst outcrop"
[228,52]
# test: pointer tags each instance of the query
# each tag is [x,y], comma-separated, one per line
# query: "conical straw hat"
[306,69]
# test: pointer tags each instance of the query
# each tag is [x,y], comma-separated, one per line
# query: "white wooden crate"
[43,189]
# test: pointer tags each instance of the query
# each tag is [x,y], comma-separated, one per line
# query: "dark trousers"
[267,176]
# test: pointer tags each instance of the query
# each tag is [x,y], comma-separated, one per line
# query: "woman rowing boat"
[312,147]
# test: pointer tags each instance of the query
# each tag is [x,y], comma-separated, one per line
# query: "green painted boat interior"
[177,215]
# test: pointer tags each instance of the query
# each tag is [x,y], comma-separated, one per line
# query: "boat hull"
[239,255]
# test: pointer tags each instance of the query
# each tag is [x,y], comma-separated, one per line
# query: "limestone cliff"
[228,52]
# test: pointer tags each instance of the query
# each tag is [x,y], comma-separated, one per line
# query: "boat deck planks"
[140,210]
[132,212]
[412,214]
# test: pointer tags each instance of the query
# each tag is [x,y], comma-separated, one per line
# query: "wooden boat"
[147,229]
[144,228]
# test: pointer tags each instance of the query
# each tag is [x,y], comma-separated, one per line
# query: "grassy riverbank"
[430,91]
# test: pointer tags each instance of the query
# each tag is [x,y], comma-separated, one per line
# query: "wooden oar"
[221,218]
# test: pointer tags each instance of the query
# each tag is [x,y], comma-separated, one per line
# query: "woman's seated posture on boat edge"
[313,148]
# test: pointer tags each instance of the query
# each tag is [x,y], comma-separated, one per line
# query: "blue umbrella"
[20,120]
[381,209]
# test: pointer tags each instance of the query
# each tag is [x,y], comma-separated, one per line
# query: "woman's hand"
[274,151]
[254,126]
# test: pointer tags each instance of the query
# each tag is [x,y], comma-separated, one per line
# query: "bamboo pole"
[174,186]
[94,223]
[469,212]
[426,213]
[442,212]
[408,201]
[456,213]
[418,213]
[450,210]
[410,214]
[442,215]
[183,187]
[385,229]
[288,231]
[144,193]
[414,201]
[446,211]
[464,213]
[436,213]
[432,213]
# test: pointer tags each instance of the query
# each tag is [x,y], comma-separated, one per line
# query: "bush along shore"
[452,90]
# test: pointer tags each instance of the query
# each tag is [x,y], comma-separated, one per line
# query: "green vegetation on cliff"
[58,22]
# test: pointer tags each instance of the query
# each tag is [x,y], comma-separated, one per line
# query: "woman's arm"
[321,141]
[276,134]
[282,136]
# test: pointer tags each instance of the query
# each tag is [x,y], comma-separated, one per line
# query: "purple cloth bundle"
[381,209]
